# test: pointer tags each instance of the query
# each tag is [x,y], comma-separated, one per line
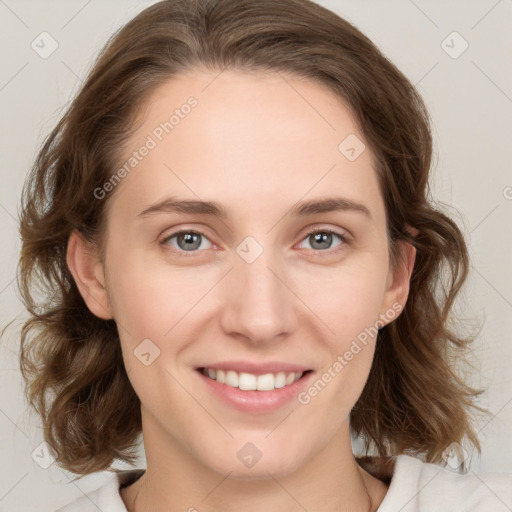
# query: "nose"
[258,304]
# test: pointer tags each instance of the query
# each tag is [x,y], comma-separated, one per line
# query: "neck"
[332,481]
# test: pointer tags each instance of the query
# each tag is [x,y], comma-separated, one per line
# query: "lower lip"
[256,401]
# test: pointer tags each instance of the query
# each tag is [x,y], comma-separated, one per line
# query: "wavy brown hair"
[413,402]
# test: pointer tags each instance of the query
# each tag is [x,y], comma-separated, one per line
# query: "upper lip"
[256,368]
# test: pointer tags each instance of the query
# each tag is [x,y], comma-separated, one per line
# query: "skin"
[257,144]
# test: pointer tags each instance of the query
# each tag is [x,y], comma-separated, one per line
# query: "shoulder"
[107,496]
[416,486]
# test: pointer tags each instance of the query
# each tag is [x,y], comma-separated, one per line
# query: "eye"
[186,241]
[192,241]
[322,239]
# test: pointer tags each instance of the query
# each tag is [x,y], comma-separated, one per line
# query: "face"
[271,286]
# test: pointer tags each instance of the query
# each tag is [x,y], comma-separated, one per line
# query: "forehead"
[242,137]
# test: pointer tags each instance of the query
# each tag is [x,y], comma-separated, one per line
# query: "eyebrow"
[301,209]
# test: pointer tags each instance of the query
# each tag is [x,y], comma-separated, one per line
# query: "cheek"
[154,301]
[141,308]
[148,296]
[349,304]
[347,299]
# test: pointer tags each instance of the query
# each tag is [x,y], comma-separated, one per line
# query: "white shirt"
[415,486]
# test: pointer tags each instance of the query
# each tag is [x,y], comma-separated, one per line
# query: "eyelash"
[341,236]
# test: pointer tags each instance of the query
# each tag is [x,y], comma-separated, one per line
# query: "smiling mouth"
[251,382]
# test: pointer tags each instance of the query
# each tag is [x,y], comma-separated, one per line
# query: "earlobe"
[88,273]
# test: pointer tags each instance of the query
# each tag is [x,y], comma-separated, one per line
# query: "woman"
[243,264]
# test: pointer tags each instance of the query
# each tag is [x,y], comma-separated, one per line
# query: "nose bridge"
[257,303]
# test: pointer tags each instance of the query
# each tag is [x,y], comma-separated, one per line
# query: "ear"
[399,278]
[88,273]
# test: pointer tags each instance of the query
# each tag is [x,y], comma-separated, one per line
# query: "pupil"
[324,239]
[190,242]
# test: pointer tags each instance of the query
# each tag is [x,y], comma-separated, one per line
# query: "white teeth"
[247,382]
[280,380]
[231,379]
[250,382]
[265,382]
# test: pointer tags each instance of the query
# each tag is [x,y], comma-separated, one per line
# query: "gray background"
[470,100]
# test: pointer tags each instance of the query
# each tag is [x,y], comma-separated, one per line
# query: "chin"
[274,466]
